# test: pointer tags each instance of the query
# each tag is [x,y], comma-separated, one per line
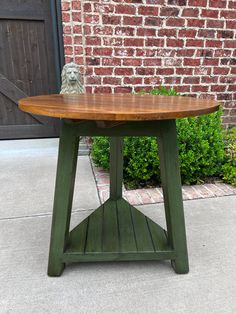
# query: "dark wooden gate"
[31,58]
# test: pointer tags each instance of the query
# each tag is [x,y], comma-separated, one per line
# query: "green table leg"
[171,183]
[116,167]
[66,169]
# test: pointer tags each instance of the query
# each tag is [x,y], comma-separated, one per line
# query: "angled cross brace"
[117,231]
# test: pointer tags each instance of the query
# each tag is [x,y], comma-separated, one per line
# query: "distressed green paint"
[117,257]
[117,231]
[116,167]
[66,170]
[115,238]
[110,227]
[138,128]
[171,184]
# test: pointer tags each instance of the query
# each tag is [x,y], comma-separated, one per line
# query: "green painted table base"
[117,231]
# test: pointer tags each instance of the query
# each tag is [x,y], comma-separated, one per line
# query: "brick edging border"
[154,195]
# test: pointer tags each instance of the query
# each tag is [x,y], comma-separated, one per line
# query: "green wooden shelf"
[117,231]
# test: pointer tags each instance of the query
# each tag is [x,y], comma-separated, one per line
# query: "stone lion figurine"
[71,79]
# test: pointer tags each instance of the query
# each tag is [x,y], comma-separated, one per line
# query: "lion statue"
[71,79]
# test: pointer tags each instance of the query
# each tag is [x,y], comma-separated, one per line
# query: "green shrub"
[201,147]
[229,167]
[162,90]
[101,151]
[201,150]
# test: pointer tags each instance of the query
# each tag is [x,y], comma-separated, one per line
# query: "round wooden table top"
[116,107]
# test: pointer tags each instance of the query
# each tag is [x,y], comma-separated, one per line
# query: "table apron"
[131,128]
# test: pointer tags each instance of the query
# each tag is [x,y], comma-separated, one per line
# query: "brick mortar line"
[112,2]
[187,46]
[145,37]
[166,36]
[157,68]
[163,47]
[167,57]
[167,66]
[202,66]
[179,16]
[187,6]
[209,190]
[165,17]
[166,47]
[205,19]
[144,15]
[135,27]
[137,6]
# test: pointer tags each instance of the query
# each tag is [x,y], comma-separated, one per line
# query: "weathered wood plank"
[27,67]
[77,238]
[173,201]
[94,233]
[158,236]
[110,241]
[21,15]
[116,167]
[130,256]
[23,131]
[142,234]
[64,189]
[126,231]
[10,90]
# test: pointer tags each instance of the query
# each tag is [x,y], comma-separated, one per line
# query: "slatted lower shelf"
[117,231]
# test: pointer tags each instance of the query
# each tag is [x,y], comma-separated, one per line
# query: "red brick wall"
[130,45]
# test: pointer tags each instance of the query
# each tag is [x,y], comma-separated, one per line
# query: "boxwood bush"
[201,150]
[229,167]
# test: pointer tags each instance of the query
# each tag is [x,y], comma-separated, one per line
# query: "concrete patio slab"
[26,192]
[27,176]
[127,287]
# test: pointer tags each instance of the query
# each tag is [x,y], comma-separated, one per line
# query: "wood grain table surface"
[117,107]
